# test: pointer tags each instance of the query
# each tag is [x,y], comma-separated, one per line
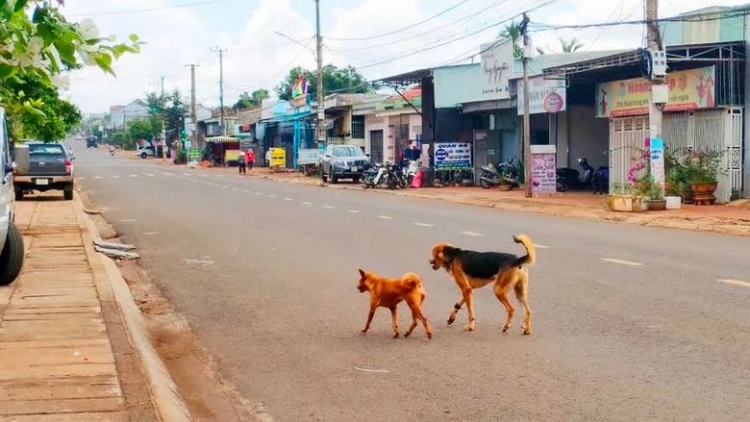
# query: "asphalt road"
[630,323]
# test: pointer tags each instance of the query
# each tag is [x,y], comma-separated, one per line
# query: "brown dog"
[388,293]
[473,270]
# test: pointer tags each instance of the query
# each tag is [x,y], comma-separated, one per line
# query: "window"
[46,149]
[358,127]
[347,151]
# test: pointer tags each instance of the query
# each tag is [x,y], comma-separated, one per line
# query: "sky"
[378,37]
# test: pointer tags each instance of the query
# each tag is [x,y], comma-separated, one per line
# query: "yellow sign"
[688,90]
[231,155]
[278,157]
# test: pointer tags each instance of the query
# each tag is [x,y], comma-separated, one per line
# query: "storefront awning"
[221,140]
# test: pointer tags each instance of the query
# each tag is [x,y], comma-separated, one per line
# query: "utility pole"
[524,29]
[319,85]
[193,111]
[162,86]
[654,44]
[221,86]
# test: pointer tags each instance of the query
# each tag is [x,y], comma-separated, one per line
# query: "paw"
[429,336]
[451,319]
[364,331]
[506,328]
[396,335]
[526,331]
[469,327]
[407,334]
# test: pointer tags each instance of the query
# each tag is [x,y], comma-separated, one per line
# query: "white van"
[11,241]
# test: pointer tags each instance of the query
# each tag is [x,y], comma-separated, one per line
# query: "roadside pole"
[524,29]
[320,129]
[656,69]
[221,87]
[193,114]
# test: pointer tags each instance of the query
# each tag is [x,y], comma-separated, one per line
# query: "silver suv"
[11,241]
[343,162]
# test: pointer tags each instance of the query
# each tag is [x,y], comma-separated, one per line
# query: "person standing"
[250,158]
[268,157]
[241,161]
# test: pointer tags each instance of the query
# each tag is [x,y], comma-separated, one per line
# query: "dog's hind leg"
[522,294]
[416,314]
[394,315]
[454,312]
[503,298]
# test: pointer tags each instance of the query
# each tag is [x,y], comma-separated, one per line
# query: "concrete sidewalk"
[65,354]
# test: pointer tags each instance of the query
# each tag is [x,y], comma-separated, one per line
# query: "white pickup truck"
[11,241]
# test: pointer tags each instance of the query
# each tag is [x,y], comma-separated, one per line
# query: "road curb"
[169,404]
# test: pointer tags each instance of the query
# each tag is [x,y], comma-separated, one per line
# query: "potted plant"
[656,201]
[675,185]
[702,169]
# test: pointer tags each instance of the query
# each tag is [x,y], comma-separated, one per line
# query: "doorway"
[376,146]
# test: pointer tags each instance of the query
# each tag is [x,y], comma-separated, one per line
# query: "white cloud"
[257,57]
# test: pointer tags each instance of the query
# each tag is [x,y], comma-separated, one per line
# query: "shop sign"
[656,153]
[452,156]
[688,90]
[309,156]
[545,95]
[543,169]
[231,155]
[278,157]
[497,67]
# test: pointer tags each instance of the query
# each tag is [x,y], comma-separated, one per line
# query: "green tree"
[251,100]
[146,128]
[39,44]
[570,46]
[170,109]
[335,80]
[512,32]
[50,120]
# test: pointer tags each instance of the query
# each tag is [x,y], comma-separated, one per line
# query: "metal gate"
[626,137]
[376,146]
[716,130]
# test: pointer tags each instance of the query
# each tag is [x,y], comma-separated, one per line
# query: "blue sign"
[452,156]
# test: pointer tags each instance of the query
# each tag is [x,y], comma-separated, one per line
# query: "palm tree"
[512,31]
[570,46]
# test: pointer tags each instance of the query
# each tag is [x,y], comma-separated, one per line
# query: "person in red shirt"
[250,158]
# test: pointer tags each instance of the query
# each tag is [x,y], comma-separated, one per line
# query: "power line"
[385,34]
[432,47]
[466,18]
[152,9]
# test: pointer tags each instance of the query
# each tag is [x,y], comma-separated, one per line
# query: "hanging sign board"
[452,156]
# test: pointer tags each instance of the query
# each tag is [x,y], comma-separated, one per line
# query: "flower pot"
[657,204]
[626,203]
[673,202]
[703,193]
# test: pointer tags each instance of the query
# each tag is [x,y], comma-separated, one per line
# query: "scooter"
[112,152]
[396,177]
[504,173]
[373,175]
[570,178]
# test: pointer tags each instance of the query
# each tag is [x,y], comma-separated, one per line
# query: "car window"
[46,149]
[346,152]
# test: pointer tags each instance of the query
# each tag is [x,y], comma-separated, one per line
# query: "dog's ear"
[449,252]
[362,273]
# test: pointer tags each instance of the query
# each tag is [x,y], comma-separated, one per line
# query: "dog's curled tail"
[411,281]
[530,256]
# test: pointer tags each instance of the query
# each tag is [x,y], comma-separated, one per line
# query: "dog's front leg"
[373,307]
[394,315]
[469,307]
[454,312]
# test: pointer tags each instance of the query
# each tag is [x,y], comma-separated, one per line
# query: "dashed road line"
[423,224]
[328,207]
[288,199]
[622,262]
[150,233]
[116,176]
[258,193]
[385,217]
[128,220]
[475,234]
[133,175]
[187,174]
[354,211]
[272,196]
[97,177]
[307,203]
[244,190]
[538,246]
[734,282]
[151,175]
[235,189]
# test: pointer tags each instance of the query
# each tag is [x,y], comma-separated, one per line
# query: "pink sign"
[543,171]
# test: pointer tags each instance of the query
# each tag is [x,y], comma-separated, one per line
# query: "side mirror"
[328,155]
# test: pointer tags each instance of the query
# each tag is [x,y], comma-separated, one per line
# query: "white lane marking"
[235,189]
[424,225]
[97,177]
[272,196]
[328,207]
[116,176]
[288,199]
[354,211]
[80,178]
[385,217]
[186,174]
[258,193]
[202,262]
[734,282]
[150,233]
[538,246]
[151,175]
[622,262]
[168,174]
[133,175]
[307,203]
[379,371]
[245,191]
[128,220]
[475,234]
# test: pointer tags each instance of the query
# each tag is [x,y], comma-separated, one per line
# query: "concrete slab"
[52,311]
[32,407]
[60,388]
[22,331]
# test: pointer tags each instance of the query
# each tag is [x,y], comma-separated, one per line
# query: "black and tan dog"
[473,270]
[389,292]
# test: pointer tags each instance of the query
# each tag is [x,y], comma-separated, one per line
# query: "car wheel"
[323,176]
[11,257]
[356,179]
[19,194]
[68,193]
[144,155]
[334,178]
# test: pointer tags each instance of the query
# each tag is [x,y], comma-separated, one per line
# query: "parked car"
[343,162]
[47,166]
[146,151]
[91,142]
[11,241]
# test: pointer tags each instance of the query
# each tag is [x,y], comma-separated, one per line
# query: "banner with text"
[688,90]
[452,156]
[545,95]
[497,67]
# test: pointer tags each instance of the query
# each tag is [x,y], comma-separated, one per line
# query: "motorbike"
[396,177]
[570,178]
[374,174]
[600,182]
[112,152]
[411,171]
[504,173]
